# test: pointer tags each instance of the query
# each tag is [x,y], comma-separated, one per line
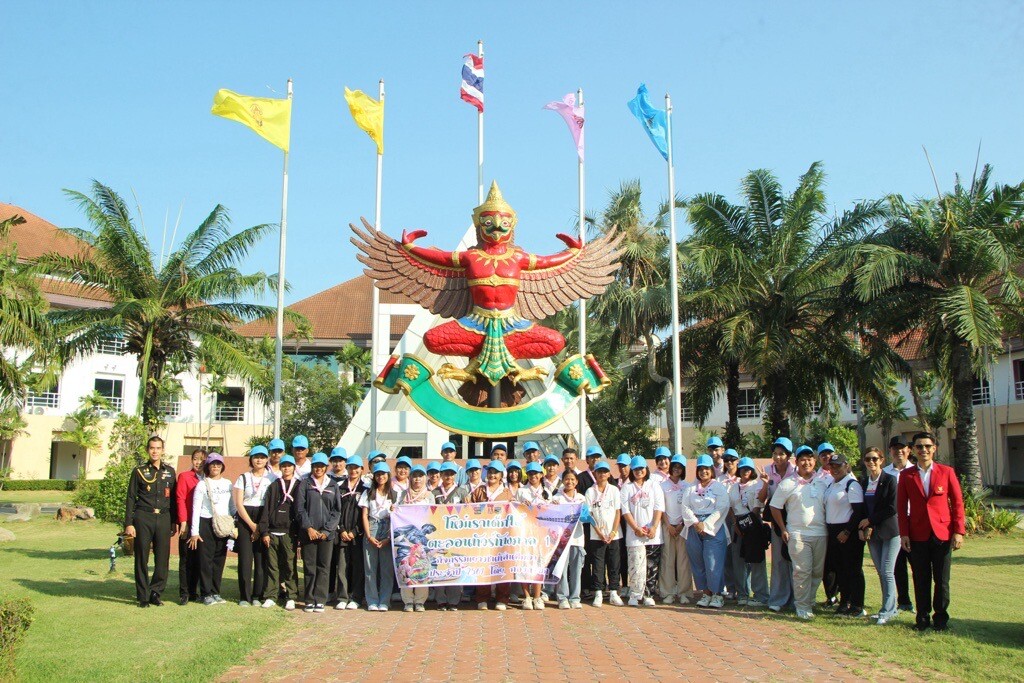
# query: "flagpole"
[279,346]
[677,441]
[480,140]
[375,309]
[581,172]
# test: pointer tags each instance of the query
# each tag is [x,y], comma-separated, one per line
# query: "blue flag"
[654,120]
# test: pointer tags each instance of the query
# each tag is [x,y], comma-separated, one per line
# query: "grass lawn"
[87,627]
[986,636]
[35,496]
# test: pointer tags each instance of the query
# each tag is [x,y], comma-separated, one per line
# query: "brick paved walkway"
[606,644]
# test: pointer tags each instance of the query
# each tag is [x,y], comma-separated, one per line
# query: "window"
[816,408]
[170,408]
[112,390]
[43,399]
[854,403]
[687,411]
[1018,380]
[113,347]
[230,405]
[981,395]
[749,404]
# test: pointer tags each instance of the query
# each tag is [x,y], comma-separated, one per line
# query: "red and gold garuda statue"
[494,290]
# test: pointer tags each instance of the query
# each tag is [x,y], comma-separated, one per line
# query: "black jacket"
[320,511]
[351,517]
[279,515]
[883,519]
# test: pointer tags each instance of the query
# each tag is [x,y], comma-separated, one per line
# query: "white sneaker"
[668,600]
[649,602]
[614,599]
[717,602]
[704,601]
[527,603]
[243,603]
[563,604]
[544,596]
[341,605]
[633,602]
[538,603]
[372,608]
[481,606]
[806,616]
[575,604]
[290,605]
[352,604]
[683,600]
[268,603]
[382,608]
[500,606]
[775,608]
[598,599]
[882,621]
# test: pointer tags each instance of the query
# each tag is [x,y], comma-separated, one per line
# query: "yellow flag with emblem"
[369,115]
[268,117]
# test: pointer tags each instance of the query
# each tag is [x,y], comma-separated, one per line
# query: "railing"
[170,408]
[748,410]
[113,347]
[981,396]
[45,399]
[1019,390]
[229,413]
[116,403]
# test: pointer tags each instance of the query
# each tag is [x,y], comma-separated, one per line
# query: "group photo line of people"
[646,535]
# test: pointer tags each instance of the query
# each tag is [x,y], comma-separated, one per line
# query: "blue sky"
[121,92]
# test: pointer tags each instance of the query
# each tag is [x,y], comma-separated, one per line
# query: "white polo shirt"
[840,498]
[642,502]
[603,506]
[804,503]
[743,497]
[674,492]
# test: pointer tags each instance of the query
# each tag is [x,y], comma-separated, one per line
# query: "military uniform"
[149,508]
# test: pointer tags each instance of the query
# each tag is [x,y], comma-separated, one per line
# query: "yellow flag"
[268,117]
[369,115]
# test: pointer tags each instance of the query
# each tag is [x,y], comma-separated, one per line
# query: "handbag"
[223,525]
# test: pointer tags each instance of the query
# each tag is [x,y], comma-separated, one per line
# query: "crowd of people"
[651,534]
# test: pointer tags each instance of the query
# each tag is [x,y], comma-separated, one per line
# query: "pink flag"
[573,116]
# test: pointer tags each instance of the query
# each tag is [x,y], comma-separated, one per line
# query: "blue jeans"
[754,577]
[781,594]
[569,585]
[707,559]
[883,555]
[378,565]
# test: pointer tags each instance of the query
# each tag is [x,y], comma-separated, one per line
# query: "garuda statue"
[493,290]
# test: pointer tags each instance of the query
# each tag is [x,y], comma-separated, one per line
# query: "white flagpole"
[279,346]
[480,140]
[375,309]
[677,420]
[582,440]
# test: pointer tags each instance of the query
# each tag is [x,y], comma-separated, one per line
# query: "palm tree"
[769,274]
[951,267]
[171,310]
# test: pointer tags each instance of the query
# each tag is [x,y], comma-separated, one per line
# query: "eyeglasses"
[872,459]
[924,446]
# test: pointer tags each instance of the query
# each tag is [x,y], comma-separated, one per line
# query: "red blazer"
[185,491]
[940,513]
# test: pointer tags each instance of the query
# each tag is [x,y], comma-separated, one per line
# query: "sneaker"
[905,608]
[648,601]
[856,613]
[717,602]
[341,605]
[319,607]
[668,600]
[806,616]
[515,599]
[683,600]
[419,608]
[882,621]
[382,607]
[500,606]
[538,603]
[575,604]
[704,601]
[481,606]
[527,603]
[633,602]
[308,609]
[614,599]
[219,599]
[257,603]
[352,604]
[775,608]
[243,603]
[742,602]
[268,603]
[756,604]
[453,608]
[290,605]
[407,608]
[372,608]
[598,599]
[208,600]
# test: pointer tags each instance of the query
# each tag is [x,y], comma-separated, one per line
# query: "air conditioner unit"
[106,413]
[38,410]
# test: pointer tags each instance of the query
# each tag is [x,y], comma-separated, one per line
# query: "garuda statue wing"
[442,290]
[546,291]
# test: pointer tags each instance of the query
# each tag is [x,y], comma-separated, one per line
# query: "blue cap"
[381,467]
[433,466]
[259,450]
[417,469]
[715,441]
[499,447]
[662,452]
[623,459]
[602,465]
[319,459]
[354,460]
[276,445]
[678,459]
[532,467]
[449,467]
[472,464]
[375,454]
[705,461]
[496,465]
[826,446]
[637,462]
[746,462]
[339,452]
[299,442]
[804,449]
[531,446]
[551,458]
[730,454]
[448,446]
[404,460]
[785,442]
[286,459]
[515,464]
[594,451]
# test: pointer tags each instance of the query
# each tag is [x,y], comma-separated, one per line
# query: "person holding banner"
[449,493]
[494,491]
[514,477]
[533,493]
[568,590]
[414,599]
[604,536]
[643,504]
[378,564]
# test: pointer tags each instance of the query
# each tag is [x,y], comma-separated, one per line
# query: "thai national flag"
[472,90]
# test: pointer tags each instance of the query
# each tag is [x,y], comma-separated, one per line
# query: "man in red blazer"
[930,509]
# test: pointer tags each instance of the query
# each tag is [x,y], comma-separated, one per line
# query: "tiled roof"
[37,236]
[341,312]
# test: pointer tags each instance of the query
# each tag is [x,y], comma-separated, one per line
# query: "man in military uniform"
[149,519]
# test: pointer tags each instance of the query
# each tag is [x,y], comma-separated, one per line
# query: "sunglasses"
[872,459]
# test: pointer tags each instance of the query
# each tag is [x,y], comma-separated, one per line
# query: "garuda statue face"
[495,220]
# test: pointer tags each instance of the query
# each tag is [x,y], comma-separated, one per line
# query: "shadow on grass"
[105,590]
[998,633]
[989,561]
[74,554]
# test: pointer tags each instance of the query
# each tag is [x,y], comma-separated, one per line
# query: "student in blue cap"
[372,458]
[643,505]
[513,476]
[780,595]
[248,493]
[752,535]
[532,493]
[733,561]
[378,562]
[676,579]
[403,466]
[279,527]
[569,586]
[830,579]
[349,573]
[433,474]
[493,491]
[705,513]
[474,475]
[531,452]
[551,481]
[662,455]
[414,599]
[448,453]
[622,584]
[449,493]
[300,451]
[604,536]
[276,449]
[319,507]
[587,478]
[716,449]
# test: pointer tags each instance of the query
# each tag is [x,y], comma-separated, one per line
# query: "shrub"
[981,517]
[15,618]
[107,496]
[40,485]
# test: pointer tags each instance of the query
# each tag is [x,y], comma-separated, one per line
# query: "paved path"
[589,644]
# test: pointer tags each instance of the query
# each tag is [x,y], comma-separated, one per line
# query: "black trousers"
[347,576]
[213,553]
[833,559]
[902,582]
[316,566]
[930,561]
[252,561]
[848,564]
[587,575]
[151,530]
[623,561]
[605,559]
[188,569]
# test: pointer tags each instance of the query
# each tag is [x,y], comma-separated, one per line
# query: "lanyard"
[320,489]
[445,494]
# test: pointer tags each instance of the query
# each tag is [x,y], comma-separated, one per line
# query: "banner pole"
[375,365]
[675,406]
[581,173]
[279,331]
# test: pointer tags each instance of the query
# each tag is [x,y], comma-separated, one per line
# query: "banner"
[481,543]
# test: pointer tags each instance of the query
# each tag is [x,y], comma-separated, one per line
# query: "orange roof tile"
[37,236]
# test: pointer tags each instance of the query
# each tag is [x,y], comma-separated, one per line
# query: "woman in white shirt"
[752,534]
[676,580]
[378,564]
[844,509]
[414,599]
[643,504]
[605,534]
[568,590]
[532,493]
[248,494]
[705,509]
[212,497]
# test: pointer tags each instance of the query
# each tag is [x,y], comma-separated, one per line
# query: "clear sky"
[121,92]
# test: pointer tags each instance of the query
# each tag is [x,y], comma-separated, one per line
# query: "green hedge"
[40,484]
[15,618]
[1011,491]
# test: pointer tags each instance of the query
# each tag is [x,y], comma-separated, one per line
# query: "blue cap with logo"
[354,461]
[300,442]
[472,464]
[705,461]
[637,462]
[319,458]
[534,467]
[259,450]
[715,442]
[785,442]
[381,467]
[276,445]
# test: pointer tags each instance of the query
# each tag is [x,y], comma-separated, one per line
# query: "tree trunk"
[145,408]
[778,418]
[919,407]
[965,448]
[862,431]
[886,426]
[732,399]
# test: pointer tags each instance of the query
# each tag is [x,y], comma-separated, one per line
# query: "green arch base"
[574,377]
